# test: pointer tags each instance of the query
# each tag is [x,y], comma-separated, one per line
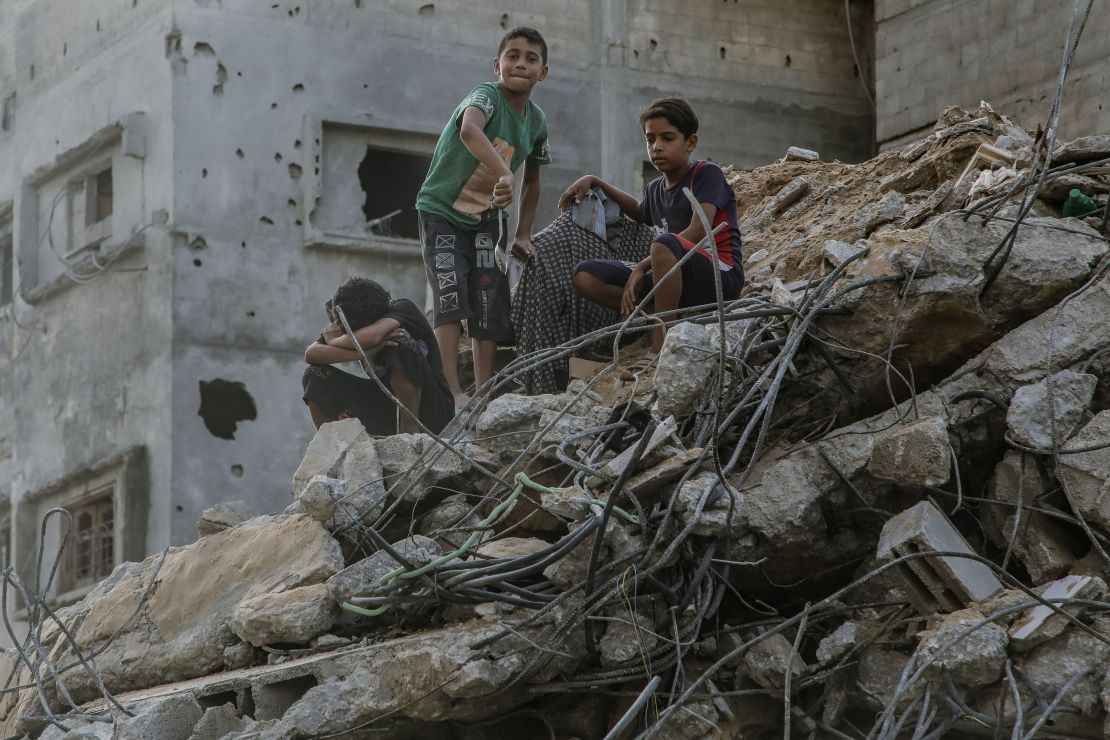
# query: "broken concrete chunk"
[1087,474]
[172,718]
[338,503]
[182,629]
[934,584]
[886,210]
[451,523]
[570,571]
[1059,400]
[366,575]
[296,615]
[789,195]
[685,364]
[913,454]
[341,449]
[756,256]
[223,516]
[1053,664]
[414,463]
[1083,149]
[836,252]
[1043,545]
[698,719]
[767,661]
[626,637]
[976,658]
[218,722]
[798,154]
[511,547]
[839,642]
[1040,623]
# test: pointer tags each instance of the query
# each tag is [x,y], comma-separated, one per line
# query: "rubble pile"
[871,499]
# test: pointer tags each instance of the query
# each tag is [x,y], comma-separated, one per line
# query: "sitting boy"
[401,346]
[494,131]
[671,131]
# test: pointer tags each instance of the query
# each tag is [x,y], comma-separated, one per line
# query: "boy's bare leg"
[595,291]
[485,355]
[447,337]
[668,292]
[409,396]
[318,415]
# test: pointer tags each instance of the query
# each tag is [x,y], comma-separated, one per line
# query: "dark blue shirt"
[670,210]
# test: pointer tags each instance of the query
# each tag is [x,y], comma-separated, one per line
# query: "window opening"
[391,181]
[90,553]
[98,197]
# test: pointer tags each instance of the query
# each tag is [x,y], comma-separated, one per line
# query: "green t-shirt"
[458,187]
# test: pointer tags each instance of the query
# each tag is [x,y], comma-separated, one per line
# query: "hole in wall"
[295,171]
[65,48]
[250,314]
[197,262]
[239,153]
[204,49]
[504,20]
[273,106]
[277,156]
[788,61]
[297,144]
[653,43]
[427,10]
[204,173]
[298,88]
[179,508]
[243,245]
[237,471]
[223,404]
[722,51]
[267,220]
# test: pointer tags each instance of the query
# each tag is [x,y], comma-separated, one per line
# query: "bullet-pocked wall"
[934,53]
[86,171]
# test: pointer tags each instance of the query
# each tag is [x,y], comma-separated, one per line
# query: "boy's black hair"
[363,301]
[676,111]
[529,34]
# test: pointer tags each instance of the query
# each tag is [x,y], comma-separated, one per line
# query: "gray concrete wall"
[85,369]
[935,53]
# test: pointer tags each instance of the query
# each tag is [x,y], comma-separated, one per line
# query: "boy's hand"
[577,191]
[331,331]
[628,297]
[523,249]
[502,192]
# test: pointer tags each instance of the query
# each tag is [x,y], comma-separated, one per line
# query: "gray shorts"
[466,284]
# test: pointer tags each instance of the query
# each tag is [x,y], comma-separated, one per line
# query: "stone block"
[768,660]
[413,463]
[296,615]
[361,578]
[913,454]
[976,658]
[686,362]
[223,516]
[934,584]
[1060,398]
[1087,474]
[343,450]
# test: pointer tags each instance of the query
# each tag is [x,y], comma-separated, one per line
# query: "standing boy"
[492,132]
[671,132]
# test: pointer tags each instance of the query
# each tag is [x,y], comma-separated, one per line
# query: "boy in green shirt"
[492,132]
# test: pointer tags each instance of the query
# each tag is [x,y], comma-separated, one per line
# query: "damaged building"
[184,183]
[866,499]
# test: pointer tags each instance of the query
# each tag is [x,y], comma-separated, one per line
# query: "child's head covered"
[529,34]
[363,301]
[676,111]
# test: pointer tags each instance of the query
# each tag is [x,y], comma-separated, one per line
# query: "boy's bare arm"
[473,136]
[318,353]
[627,202]
[695,232]
[529,199]
[368,336]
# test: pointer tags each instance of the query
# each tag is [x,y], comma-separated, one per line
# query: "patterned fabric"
[546,311]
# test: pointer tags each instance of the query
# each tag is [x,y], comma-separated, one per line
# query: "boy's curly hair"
[529,34]
[676,111]
[363,301]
